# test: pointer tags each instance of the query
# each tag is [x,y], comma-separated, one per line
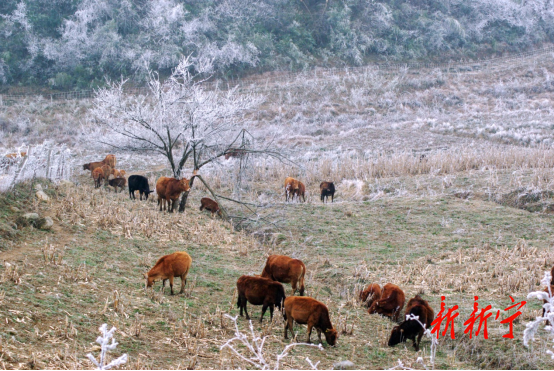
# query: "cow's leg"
[293,284]
[288,325]
[160,202]
[240,305]
[183,283]
[416,344]
[264,308]
[171,284]
[163,285]
[309,333]
[271,311]
[319,335]
[244,302]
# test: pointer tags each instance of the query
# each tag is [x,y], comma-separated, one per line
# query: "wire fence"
[511,61]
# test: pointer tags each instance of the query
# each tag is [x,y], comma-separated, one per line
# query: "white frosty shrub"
[105,345]
[548,316]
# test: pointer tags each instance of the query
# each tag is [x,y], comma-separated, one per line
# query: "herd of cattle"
[267,289]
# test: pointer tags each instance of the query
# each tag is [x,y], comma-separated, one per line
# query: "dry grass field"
[473,216]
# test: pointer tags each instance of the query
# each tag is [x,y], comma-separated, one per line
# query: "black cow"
[327,189]
[138,183]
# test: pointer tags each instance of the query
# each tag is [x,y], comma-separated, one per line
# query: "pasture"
[471,217]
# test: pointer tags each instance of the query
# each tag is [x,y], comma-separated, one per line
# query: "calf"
[169,267]
[287,270]
[117,182]
[409,329]
[210,205]
[118,173]
[98,176]
[311,312]
[390,303]
[169,190]
[139,183]
[327,189]
[259,291]
[301,191]
[371,293]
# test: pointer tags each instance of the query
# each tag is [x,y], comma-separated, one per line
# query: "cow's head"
[86,166]
[185,184]
[331,336]
[396,336]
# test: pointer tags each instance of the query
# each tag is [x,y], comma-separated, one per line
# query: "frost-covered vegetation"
[67,43]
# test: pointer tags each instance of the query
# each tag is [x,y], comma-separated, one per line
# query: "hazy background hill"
[69,44]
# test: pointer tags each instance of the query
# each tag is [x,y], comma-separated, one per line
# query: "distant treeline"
[67,44]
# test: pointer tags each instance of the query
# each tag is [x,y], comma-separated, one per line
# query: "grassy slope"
[54,312]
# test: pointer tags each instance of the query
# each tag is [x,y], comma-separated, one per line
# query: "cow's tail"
[301,279]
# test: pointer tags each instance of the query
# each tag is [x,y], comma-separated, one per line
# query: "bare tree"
[180,118]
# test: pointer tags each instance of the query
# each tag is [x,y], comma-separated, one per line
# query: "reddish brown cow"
[98,176]
[390,303]
[169,190]
[300,191]
[168,267]
[291,185]
[309,311]
[259,291]
[287,270]
[371,293]
[410,329]
[118,173]
[210,205]
[107,170]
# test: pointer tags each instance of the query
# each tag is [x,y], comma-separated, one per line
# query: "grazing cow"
[169,267]
[117,182]
[410,329]
[138,183]
[169,190]
[259,291]
[110,161]
[235,152]
[93,165]
[283,269]
[98,176]
[327,189]
[210,205]
[390,303]
[371,293]
[309,311]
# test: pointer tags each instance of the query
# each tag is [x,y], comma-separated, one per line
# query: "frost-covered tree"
[180,118]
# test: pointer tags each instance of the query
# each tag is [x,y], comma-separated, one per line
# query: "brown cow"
[118,173]
[110,161]
[210,205]
[300,191]
[390,303]
[410,329]
[259,291]
[371,293]
[118,182]
[309,311]
[168,267]
[107,169]
[98,176]
[93,165]
[15,155]
[235,152]
[291,185]
[169,189]
[327,189]
[287,270]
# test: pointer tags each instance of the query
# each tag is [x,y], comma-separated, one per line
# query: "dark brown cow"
[327,189]
[169,190]
[118,182]
[286,270]
[235,152]
[410,329]
[210,205]
[259,291]
[168,267]
[390,303]
[309,311]
[371,293]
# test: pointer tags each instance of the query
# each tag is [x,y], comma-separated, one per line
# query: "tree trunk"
[184,197]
